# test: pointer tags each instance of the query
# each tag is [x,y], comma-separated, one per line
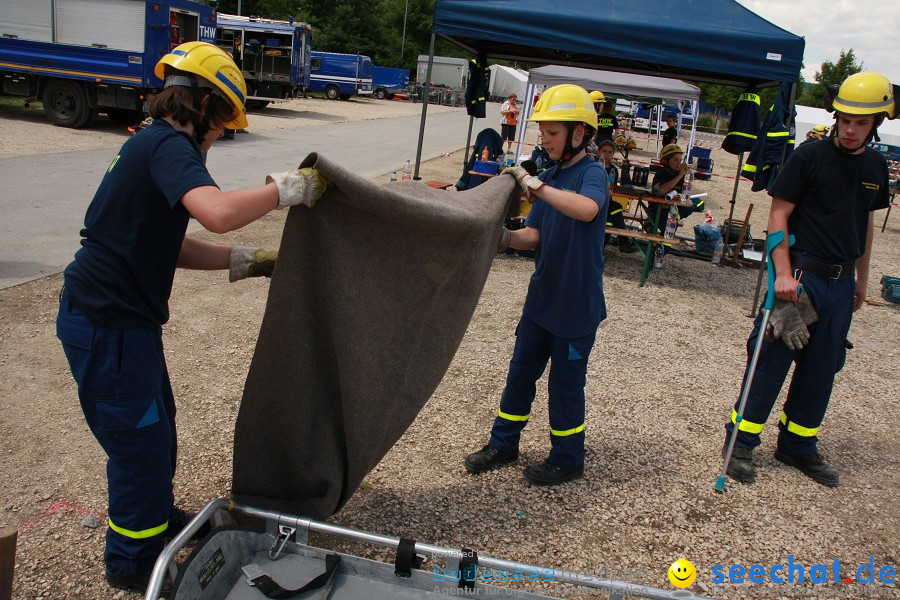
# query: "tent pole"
[468,139]
[426,90]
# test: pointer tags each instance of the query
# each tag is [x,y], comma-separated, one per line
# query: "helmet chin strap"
[873,134]
[570,149]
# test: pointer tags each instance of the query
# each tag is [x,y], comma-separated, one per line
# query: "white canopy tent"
[644,88]
[506,80]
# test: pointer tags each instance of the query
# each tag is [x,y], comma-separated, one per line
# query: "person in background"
[825,197]
[815,134]
[565,302]
[540,157]
[669,179]
[607,123]
[509,118]
[670,135]
[115,296]
[615,211]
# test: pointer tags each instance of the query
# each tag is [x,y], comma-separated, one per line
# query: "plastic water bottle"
[671,223]
[510,159]
[407,172]
[717,253]
[393,176]
[688,182]
[658,257]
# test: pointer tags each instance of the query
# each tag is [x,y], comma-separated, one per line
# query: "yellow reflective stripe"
[139,535]
[749,168]
[566,432]
[798,429]
[778,134]
[617,211]
[742,134]
[750,98]
[608,224]
[510,417]
[746,425]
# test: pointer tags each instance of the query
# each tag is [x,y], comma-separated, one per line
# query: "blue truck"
[340,75]
[387,81]
[274,56]
[83,57]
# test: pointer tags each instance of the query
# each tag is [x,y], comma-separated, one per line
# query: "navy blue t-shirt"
[833,194]
[565,295]
[122,275]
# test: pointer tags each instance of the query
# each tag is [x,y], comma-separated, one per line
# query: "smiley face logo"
[682,573]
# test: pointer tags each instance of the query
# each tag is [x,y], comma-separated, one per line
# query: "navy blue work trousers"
[127,400]
[814,371]
[568,358]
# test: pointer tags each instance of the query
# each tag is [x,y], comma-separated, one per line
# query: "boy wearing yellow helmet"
[670,178]
[824,196]
[116,290]
[565,302]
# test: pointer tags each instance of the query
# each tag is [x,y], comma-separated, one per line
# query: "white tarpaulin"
[506,80]
[807,116]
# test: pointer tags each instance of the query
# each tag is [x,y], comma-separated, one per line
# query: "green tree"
[830,74]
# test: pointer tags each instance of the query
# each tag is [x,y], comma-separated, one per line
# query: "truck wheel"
[380,94]
[345,96]
[123,116]
[256,104]
[65,103]
[332,92]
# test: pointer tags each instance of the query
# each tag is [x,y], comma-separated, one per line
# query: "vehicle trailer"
[82,57]
[340,75]
[273,55]
[387,81]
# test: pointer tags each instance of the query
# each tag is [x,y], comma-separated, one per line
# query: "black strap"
[468,569]
[406,560]
[267,585]
[822,269]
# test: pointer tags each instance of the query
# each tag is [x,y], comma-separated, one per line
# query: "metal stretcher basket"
[241,563]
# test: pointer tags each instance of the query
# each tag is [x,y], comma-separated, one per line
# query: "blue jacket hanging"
[476,90]
[743,128]
[774,144]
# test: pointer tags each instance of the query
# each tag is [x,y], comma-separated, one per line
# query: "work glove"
[503,244]
[250,262]
[303,186]
[528,183]
[788,322]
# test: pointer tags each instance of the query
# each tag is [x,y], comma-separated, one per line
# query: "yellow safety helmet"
[597,97]
[865,94]
[820,129]
[216,68]
[566,102]
[670,150]
[631,144]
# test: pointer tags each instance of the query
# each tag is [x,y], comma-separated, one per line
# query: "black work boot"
[489,458]
[740,467]
[178,520]
[548,474]
[626,246]
[812,465]
[138,583]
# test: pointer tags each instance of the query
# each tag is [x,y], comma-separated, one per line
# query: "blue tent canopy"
[717,41]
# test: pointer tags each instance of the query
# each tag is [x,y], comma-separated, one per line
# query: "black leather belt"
[823,269]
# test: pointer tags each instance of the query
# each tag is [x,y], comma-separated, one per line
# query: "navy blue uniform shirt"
[122,275]
[565,295]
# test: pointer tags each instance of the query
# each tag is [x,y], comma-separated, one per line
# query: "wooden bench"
[438,185]
[651,241]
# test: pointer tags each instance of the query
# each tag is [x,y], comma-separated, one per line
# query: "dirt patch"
[663,375]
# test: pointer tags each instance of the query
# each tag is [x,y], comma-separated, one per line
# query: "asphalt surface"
[44,198]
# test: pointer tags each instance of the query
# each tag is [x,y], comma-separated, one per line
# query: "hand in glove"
[251,262]
[503,244]
[788,322]
[528,183]
[303,186]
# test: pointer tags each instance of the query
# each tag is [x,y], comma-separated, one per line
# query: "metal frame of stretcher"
[290,534]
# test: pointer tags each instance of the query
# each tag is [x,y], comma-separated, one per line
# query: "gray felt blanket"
[371,296]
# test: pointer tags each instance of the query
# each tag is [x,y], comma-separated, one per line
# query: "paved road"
[43,198]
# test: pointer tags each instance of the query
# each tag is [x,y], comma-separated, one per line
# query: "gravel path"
[657,400]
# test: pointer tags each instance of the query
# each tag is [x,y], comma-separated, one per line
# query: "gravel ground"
[657,400]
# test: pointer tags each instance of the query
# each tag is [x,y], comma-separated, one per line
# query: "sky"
[870,27]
